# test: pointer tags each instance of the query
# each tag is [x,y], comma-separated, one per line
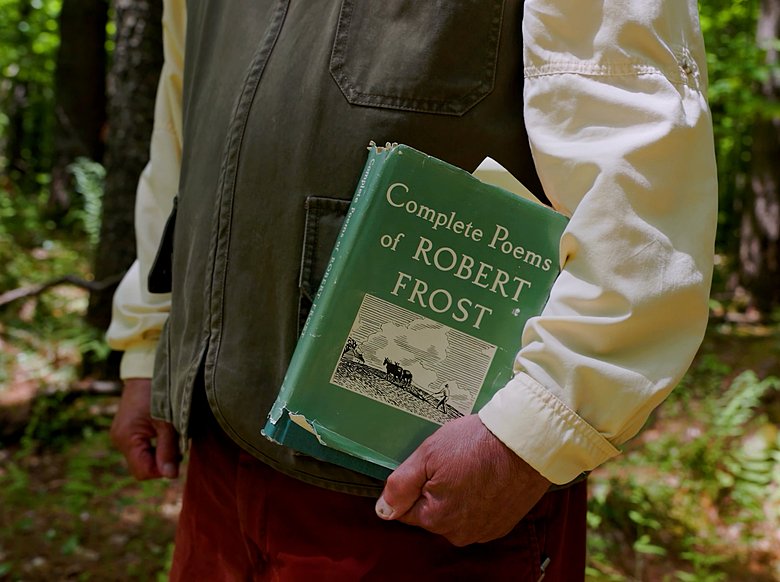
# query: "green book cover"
[420,313]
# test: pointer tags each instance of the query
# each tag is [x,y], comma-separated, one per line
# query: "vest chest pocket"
[429,56]
[324,217]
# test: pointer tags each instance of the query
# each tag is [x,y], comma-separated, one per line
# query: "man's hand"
[150,446]
[462,483]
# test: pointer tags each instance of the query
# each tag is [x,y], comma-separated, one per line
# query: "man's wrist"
[138,361]
[544,432]
[136,384]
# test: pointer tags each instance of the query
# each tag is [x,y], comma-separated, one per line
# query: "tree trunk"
[759,249]
[80,89]
[18,99]
[132,85]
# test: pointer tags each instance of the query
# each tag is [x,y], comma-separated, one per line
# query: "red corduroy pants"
[242,520]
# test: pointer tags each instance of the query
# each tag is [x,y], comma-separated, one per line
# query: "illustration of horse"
[394,370]
[397,373]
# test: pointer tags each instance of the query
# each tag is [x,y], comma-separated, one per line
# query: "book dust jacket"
[420,312]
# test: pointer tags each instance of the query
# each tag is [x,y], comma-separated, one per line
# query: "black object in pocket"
[160,278]
[324,217]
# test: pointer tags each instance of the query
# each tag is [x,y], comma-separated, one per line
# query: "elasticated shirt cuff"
[544,431]
[138,361]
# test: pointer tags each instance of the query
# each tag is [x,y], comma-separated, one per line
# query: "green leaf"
[644,546]
[70,546]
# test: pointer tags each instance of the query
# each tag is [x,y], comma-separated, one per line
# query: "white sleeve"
[138,315]
[616,112]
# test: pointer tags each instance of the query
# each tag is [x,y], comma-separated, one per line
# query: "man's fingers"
[150,446]
[136,446]
[462,483]
[140,459]
[167,452]
[403,488]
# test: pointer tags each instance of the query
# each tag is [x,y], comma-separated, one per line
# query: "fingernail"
[169,470]
[383,510]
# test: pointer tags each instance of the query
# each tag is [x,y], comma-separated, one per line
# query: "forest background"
[695,497]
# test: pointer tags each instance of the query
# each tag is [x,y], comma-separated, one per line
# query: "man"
[442,394]
[262,132]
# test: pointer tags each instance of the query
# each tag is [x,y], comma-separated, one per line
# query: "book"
[420,312]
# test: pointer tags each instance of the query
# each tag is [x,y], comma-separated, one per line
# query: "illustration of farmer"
[442,394]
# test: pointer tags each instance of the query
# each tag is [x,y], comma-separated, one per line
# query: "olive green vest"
[281,98]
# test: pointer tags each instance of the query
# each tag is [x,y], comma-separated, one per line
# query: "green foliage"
[16,482]
[162,576]
[675,496]
[46,334]
[58,419]
[32,248]
[721,464]
[45,330]
[29,38]
[702,382]
[22,222]
[77,510]
[89,177]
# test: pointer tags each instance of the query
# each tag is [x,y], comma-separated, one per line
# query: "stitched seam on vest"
[226,188]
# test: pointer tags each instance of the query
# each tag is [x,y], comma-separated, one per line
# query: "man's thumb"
[402,489]
[167,453]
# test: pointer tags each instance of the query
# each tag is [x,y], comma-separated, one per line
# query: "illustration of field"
[412,363]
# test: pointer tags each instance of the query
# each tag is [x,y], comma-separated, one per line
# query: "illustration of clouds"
[416,347]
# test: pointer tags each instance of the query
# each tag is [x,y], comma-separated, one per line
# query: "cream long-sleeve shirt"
[616,113]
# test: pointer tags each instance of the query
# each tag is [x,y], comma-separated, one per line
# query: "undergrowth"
[44,337]
[69,508]
[698,499]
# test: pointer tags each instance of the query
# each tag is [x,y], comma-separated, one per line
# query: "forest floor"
[695,497]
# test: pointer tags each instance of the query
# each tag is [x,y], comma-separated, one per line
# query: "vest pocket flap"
[324,217]
[160,278]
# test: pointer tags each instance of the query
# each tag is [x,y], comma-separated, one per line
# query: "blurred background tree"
[744,71]
[79,94]
[135,69]
[76,96]
[29,38]
[759,248]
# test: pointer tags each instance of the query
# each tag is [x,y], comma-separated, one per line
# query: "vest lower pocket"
[324,217]
[432,57]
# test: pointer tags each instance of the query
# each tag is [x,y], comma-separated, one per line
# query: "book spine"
[335,266]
